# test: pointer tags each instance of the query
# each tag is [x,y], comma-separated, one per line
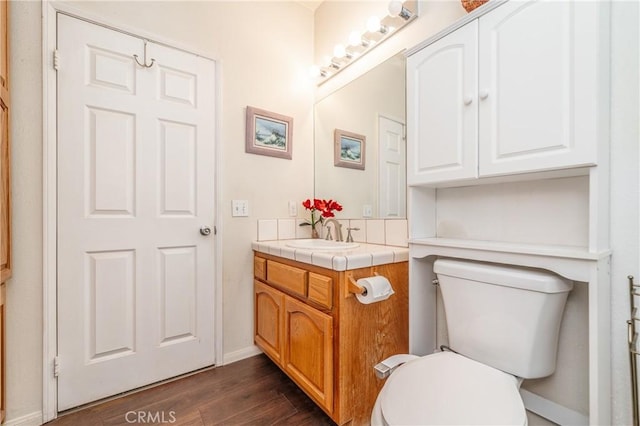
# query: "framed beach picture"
[349,149]
[268,133]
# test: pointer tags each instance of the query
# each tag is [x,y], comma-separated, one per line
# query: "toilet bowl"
[502,324]
[449,389]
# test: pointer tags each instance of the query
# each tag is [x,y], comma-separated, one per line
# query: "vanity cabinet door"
[308,350]
[442,111]
[539,86]
[269,321]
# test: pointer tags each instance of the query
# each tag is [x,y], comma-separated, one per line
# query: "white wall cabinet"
[517,90]
[513,89]
[442,86]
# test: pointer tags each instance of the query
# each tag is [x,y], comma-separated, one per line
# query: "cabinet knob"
[484,94]
[468,100]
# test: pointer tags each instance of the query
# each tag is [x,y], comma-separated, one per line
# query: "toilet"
[503,324]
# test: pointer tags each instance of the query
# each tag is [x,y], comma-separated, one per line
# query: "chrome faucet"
[337,226]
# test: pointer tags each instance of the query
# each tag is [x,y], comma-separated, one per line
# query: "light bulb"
[339,51]
[373,24]
[395,7]
[326,61]
[355,39]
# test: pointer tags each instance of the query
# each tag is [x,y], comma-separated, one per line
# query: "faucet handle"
[328,237]
[349,236]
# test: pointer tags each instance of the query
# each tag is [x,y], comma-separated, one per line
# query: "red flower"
[325,207]
[327,213]
[333,205]
[306,204]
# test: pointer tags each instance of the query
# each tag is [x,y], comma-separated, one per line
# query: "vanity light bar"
[359,43]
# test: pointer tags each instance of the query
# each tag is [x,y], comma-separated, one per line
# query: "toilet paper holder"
[354,288]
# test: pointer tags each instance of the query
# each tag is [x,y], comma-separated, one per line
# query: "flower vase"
[314,232]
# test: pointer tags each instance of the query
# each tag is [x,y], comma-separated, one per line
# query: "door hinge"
[56,60]
[215,230]
[56,366]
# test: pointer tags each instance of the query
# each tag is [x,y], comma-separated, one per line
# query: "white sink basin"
[319,244]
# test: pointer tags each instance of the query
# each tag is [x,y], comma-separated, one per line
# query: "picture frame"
[349,149]
[268,133]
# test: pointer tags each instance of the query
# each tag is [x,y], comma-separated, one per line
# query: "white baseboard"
[241,354]
[33,419]
[551,411]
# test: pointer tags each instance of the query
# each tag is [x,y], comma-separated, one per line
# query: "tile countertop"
[340,260]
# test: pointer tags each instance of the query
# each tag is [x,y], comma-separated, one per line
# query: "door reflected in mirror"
[373,105]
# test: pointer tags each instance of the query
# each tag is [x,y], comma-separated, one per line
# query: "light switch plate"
[293,209]
[239,208]
[367,210]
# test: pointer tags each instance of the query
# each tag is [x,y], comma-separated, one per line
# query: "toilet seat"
[447,388]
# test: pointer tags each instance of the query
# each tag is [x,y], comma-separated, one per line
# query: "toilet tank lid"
[504,275]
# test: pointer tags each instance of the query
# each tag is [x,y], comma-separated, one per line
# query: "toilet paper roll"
[377,288]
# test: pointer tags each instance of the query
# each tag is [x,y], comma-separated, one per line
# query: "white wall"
[265,50]
[551,211]
[24,289]
[625,193]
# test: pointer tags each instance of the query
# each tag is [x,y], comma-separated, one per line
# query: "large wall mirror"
[373,107]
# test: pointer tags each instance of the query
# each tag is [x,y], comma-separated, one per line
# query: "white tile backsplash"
[302,231]
[267,229]
[396,232]
[360,235]
[393,232]
[375,231]
[286,229]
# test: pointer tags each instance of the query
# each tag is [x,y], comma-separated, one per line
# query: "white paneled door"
[392,168]
[135,198]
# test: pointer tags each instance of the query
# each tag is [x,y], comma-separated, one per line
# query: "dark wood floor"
[249,392]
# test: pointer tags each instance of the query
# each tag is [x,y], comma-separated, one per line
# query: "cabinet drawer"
[260,268]
[320,290]
[287,277]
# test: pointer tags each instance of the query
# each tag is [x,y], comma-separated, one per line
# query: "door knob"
[484,94]
[205,230]
[468,100]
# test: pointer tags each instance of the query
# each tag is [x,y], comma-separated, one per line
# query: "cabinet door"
[538,85]
[269,321]
[308,350]
[442,109]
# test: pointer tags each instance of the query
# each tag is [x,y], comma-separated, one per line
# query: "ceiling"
[312,5]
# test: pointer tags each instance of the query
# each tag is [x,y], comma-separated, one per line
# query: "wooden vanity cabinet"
[327,342]
[5,190]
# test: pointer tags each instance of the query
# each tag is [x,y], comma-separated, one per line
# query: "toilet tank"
[503,316]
